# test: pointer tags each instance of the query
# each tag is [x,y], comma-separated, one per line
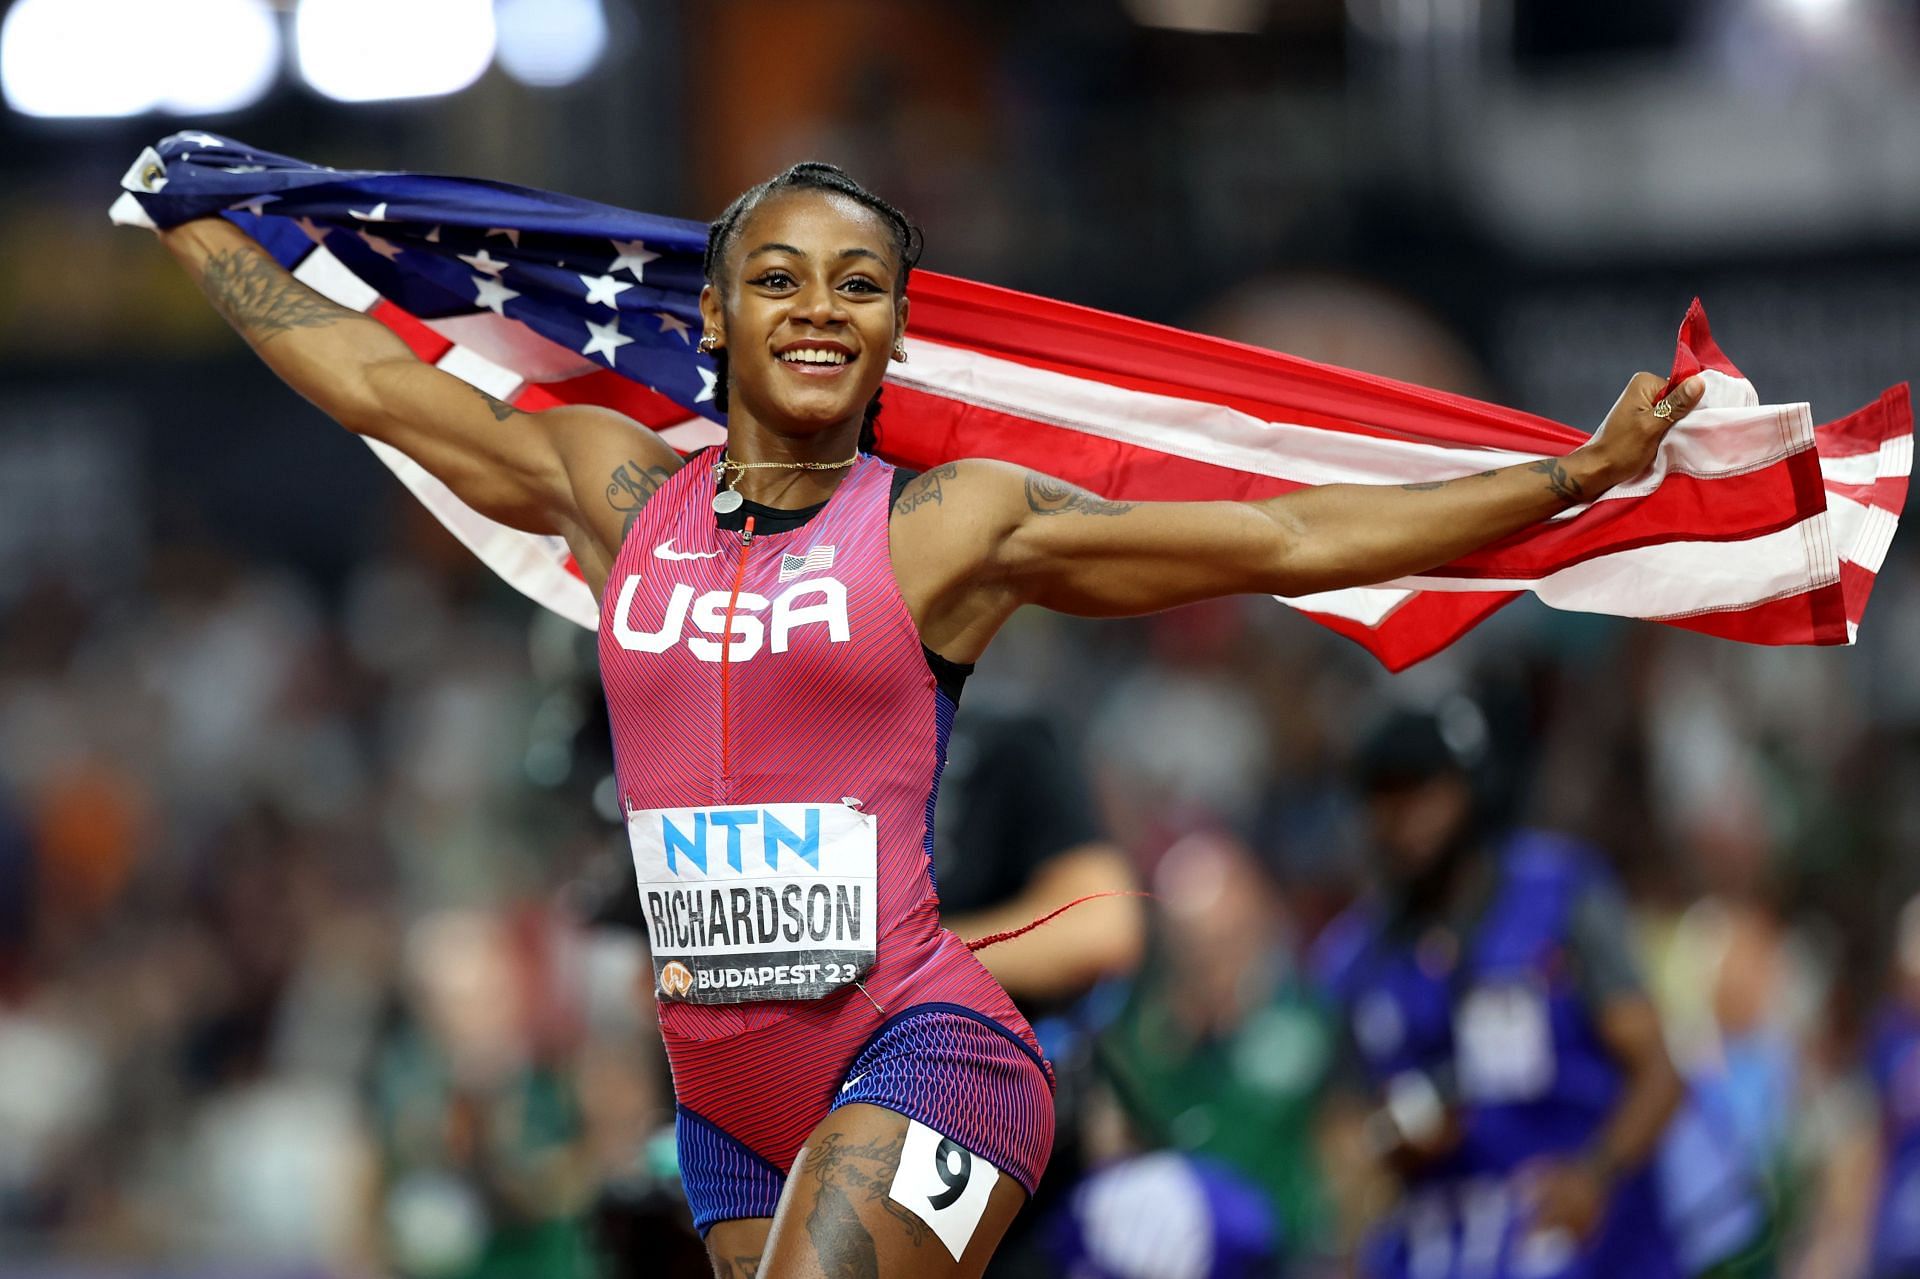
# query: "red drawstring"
[726,666]
[994,939]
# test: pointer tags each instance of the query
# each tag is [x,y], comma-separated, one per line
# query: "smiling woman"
[786,623]
[869,274]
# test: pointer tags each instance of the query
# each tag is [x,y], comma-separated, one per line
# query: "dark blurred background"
[301,811]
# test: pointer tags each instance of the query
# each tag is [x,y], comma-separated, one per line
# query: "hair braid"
[809,175]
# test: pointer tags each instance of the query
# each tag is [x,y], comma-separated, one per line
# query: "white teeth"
[810,355]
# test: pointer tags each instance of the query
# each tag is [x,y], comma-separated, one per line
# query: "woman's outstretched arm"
[579,471]
[1026,538]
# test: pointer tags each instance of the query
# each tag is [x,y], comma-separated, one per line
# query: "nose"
[818,304]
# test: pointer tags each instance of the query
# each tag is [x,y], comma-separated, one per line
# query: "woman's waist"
[917,962]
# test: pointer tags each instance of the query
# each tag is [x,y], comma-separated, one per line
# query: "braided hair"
[809,175]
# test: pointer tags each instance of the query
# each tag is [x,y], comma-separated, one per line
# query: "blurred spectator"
[1867,1221]
[1222,1049]
[1521,1078]
[1165,1216]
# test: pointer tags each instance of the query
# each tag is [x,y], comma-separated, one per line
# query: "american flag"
[817,560]
[1755,523]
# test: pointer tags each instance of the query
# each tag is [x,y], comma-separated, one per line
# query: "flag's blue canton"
[618,287]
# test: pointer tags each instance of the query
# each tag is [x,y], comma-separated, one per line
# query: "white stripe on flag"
[329,277]
[1711,443]
[1367,605]
[1862,531]
[477,370]
[514,345]
[1676,579]
[534,564]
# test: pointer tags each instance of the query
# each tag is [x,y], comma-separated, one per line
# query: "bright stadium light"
[220,55]
[367,50]
[124,57]
[550,42]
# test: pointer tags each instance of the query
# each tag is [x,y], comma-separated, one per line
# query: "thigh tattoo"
[850,1174]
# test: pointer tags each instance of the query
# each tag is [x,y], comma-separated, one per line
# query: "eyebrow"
[775,246]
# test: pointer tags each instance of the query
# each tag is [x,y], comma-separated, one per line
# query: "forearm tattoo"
[1048,496]
[261,300]
[1564,486]
[501,409]
[630,487]
[848,1174]
[925,489]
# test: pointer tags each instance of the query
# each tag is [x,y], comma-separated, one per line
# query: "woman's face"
[809,315]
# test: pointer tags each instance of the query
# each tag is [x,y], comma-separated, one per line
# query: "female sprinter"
[785,625]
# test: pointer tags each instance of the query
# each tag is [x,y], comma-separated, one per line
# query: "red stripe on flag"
[1120,351]
[423,341]
[922,430]
[1818,616]
[1421,627]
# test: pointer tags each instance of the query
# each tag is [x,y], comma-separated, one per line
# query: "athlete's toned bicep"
[1078,552]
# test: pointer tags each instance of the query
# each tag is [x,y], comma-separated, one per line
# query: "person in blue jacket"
[1519,1078]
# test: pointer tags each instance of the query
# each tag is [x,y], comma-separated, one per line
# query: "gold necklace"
[728,500]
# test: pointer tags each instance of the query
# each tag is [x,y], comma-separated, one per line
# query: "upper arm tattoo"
[261,300]
[501,409]
[1048,496]
[630,487]
[847,1173]
[925,488]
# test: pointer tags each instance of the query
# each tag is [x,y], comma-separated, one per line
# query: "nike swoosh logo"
[665,551]
[851,1082]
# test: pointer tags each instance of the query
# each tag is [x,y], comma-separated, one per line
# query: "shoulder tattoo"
[925,489]
[1048,496]
[629,488]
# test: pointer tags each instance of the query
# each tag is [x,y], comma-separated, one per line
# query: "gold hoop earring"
[900,351]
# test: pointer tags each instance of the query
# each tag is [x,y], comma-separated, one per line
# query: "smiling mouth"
[816,361]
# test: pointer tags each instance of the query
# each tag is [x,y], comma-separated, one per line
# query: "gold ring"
[1663,409]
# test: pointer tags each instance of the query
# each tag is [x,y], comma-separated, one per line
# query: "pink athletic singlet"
[778,737]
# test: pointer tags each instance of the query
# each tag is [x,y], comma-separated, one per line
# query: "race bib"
[1503,1043]
[750,902]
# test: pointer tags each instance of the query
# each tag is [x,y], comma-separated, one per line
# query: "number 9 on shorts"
[944,1184]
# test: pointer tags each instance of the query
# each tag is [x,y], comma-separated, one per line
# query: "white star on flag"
[633,256]
[242,168]
[492,294]
[314,230]
[378,213]
[706,384]
[604,289]
[202,139]
[512,234]
[607,338]
[671,323]
[433,236]
[385,248]
[483,261]
[254,205]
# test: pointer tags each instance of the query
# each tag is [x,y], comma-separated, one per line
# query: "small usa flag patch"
[792,566]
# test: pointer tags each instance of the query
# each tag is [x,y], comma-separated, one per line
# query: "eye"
[775,279]
[861,284]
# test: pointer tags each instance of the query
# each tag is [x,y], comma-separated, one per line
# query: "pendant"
[727,501]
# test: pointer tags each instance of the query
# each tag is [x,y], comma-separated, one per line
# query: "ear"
[900,318]
[712,318]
